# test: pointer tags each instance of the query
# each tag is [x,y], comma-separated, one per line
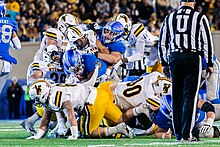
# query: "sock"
[111,130]
[140,109]
[33,118]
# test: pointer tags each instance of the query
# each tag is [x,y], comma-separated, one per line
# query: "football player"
[87,45]
[145,91]
[47,62]
[82,46]
[49,68]
[93,103]
[141,45]
[56,36]
[8,28]
[204,120]
[212,81]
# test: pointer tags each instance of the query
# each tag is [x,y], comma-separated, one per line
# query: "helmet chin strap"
[155,93]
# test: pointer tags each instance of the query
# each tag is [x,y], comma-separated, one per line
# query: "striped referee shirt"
[185,30]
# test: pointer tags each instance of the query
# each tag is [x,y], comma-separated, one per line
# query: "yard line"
[100,145]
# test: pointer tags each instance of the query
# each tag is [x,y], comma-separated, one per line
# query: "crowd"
[35,16]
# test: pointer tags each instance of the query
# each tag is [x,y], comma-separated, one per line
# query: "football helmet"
[77,36]
[112,31]
[52,55]
[162,86]
[2,9]
[39,92]
[125,21]
[65,21]
[73,63]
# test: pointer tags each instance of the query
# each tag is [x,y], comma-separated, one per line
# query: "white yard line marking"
[100,145]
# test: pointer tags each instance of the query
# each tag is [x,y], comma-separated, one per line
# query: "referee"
[185,36]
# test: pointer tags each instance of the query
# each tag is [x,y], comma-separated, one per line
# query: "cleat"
[194,139]
[28,126]
[124,129]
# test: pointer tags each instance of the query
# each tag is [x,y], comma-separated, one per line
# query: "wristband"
[210,121]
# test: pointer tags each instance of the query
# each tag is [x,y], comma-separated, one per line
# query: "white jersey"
[78,94]
[48,72]
[140,39]
[130,94]
[152,56]
[54,34]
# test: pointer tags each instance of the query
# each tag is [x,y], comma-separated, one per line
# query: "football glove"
[206,126]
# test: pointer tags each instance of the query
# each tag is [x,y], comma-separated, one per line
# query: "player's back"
[130,94]
[7,27]
[60,93]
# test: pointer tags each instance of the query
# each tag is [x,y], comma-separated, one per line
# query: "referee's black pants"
[186,71]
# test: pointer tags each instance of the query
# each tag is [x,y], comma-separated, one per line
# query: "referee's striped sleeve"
[163,43]
[207,41]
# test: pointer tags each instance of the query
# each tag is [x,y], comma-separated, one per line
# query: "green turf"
[11,134]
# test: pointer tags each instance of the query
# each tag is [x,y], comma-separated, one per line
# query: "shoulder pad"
[52,33]
[138,28]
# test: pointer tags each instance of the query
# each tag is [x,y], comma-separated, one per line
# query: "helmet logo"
[38,89]
[166,88]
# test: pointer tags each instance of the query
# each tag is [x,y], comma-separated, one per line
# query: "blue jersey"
[7,27]
[72,59]
[164,115]
[90,60]
[117,46]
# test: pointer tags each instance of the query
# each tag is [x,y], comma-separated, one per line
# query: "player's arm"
[113,58]
[15,42]
[68,107]
[37,74]
[92,76]
[50,41]
[210,113]
[101,47]
[44,123]
[163,133]
[39,54]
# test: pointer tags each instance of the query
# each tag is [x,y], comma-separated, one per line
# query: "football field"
[12,134]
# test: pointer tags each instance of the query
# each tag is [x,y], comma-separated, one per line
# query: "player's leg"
[212,85]
[28,124]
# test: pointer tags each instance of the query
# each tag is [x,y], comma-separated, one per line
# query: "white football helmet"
[65,21]
[39,92]
[125,21]
[162,86]
[52,55]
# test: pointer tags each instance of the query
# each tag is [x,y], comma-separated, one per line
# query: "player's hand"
[72,138]
[124,60]
[205,128]
[94,26]
[98,64]
[209,71]
[167,135]
[166,71]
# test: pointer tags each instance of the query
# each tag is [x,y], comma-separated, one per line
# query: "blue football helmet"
[73,63]
[112,31]
[2,9]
